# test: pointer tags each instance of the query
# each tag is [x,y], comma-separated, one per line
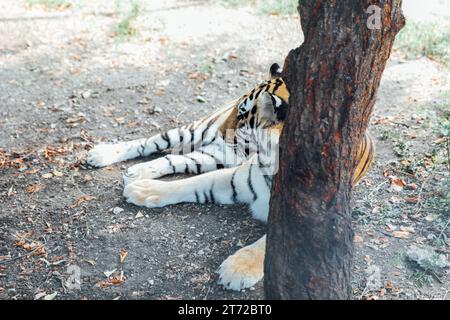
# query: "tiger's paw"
[103,155]
[148,193]
[139,172]
[242,269]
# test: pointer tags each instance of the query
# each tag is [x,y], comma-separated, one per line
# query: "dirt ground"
[67,83]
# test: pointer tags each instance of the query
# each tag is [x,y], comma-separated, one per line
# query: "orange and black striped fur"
[233,154]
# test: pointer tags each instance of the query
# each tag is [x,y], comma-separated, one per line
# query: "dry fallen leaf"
[389,285]
[51,296]
[390,227]
[82,199]
[411,186]
[70,250]
[114,281]
[407,229]
[382,240]
[358,238]
[51,152]
[401,234]
[32,171]
[413,199]
[120,120]
[91,262]
[109,273]
[35,188]
[122,255]
[40,104]
[198,76]
[376,209]
[397,184]
[57,173]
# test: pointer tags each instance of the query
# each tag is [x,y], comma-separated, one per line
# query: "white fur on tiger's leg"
[243,184]
[212,157]
[198,133]
[244,268]
[207,187]
[105,154]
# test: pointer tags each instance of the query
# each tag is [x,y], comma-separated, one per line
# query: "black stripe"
[252,122]
[186,170]
[140,150]
[181,135]
[211,195]
[166,138]
[197,164]
[277,85]
[274,101]
[203,133]
[157,146]
[250,185]
[197,198]
[268,181]
[233,186]
[206,197]
[170,164]
[219,164]
[192,134]
[366,163]
[212,140]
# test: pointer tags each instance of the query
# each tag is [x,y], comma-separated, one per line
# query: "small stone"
[427,258]
[201,99]
[86,94]
[139,215]
[157,109]
[117,210]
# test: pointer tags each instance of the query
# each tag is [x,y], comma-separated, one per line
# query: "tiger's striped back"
[365,156]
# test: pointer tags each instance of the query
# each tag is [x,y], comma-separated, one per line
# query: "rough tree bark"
[333,79]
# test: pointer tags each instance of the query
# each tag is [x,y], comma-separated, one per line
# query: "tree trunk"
[333,79]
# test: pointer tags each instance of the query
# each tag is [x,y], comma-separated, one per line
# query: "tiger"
[232,154]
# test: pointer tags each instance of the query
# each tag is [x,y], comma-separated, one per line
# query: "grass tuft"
[50,4]
[271,7]
[429,39]
[125,28]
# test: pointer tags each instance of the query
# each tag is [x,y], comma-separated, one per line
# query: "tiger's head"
[266,105]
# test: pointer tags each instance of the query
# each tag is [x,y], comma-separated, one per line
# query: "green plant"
[281,7]
[431,39]
[206,66]
[125,28]
[50,4]
[275,7]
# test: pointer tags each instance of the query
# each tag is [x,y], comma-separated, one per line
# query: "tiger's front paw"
[242,269]
[149,193]
[139,172]
[103,155]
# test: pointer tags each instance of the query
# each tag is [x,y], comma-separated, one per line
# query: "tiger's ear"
[275,71]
